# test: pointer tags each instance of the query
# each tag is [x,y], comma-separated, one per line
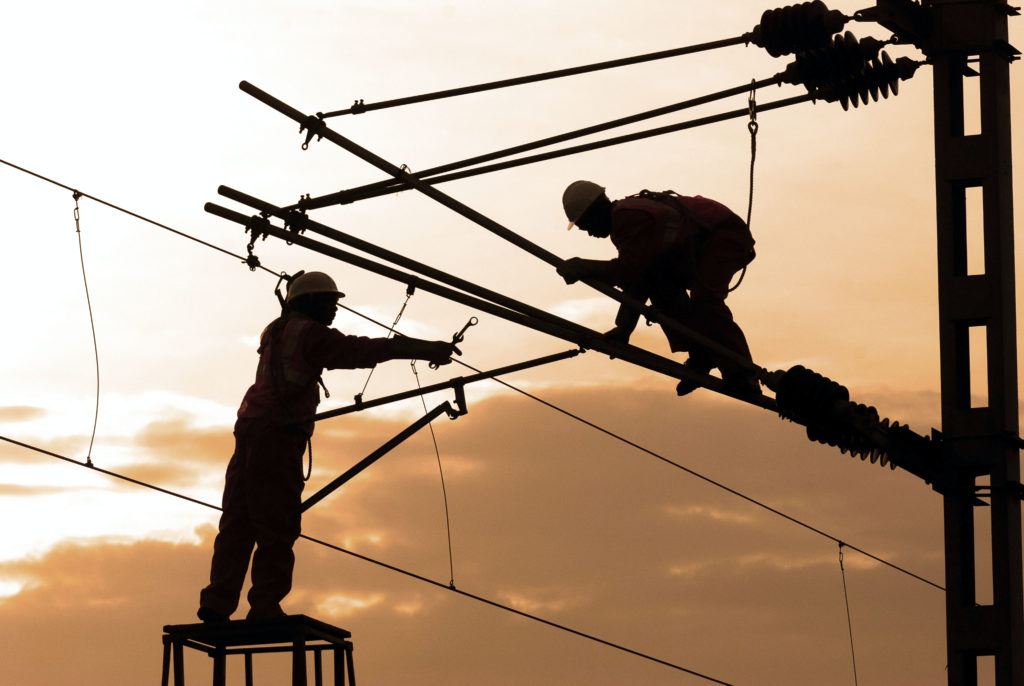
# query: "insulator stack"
[797,28]
[844,58]
[824,407]
[880,76]
[808,396]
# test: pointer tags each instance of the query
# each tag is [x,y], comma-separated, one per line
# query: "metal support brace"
[503,232]
[457,384]
[560,328]
[380,452]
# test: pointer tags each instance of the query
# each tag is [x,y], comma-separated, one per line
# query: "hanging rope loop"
[849,622]
[92,324]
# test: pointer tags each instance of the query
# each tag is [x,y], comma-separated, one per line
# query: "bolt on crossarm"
[496,228]
[567,331]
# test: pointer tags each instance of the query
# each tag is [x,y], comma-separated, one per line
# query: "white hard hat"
[311,282]
[578,196]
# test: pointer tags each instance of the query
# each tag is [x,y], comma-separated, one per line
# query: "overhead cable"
[781,31]
[359,106]
[550,324]
[494,227]
[132,214]
[392,185]
[418,577]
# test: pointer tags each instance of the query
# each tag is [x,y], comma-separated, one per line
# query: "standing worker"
[263,485]
[681,253]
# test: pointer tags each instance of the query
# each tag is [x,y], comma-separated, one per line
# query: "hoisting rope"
[92,324]
[752,126]
[849,622]
[444,491]
[409,291]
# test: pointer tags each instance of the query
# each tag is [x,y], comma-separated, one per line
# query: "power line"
[132,214]
[359,106]
[717,484]
[612,434]
[413,575]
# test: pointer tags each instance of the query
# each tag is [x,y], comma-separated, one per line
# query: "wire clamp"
[257,226]
[313,126]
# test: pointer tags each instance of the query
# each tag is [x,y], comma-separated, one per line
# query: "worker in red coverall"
[263,487]
[681,253]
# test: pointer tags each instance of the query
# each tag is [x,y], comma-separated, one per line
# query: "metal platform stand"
[297,634]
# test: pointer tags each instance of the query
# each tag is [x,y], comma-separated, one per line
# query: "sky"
[138,104]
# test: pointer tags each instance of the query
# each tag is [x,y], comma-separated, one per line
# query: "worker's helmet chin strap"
[284,277]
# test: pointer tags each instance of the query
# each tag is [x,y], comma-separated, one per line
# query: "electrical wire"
[359,107]
[712,482]
[395,186]
[134,214]
[545,402]
[391,185]
[92,325]
[331,546]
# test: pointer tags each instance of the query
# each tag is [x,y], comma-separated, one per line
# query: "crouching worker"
[263,485]
[679,252]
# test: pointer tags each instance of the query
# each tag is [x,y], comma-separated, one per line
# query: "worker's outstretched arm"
[436,352]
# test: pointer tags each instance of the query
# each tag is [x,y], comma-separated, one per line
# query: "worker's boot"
[694,363]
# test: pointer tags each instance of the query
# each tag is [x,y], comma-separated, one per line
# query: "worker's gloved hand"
[441,353]
[572,269]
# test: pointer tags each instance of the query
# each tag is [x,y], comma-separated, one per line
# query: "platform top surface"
[257,632]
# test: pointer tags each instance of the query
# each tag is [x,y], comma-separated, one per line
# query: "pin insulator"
[844,57]
[796,28]
[881,76]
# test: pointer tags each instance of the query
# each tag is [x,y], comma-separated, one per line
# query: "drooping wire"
[444,491]
[712,482]
[385,565]
[92,325]
[708,480]
[849,622]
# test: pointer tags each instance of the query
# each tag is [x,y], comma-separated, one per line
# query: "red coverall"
[663,253]
[263,485]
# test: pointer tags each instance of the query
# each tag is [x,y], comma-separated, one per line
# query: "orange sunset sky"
[138,104]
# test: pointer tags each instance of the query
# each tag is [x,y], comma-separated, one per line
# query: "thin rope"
[752,126]
[92,324]
[849,622]
[385,565]
[444,491]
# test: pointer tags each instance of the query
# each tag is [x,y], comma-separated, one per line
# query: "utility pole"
[967,39]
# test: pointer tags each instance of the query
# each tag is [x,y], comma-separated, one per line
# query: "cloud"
[553,518]
[20,413]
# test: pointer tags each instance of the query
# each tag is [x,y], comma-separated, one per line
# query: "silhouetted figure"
[263,486]
[681,253]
